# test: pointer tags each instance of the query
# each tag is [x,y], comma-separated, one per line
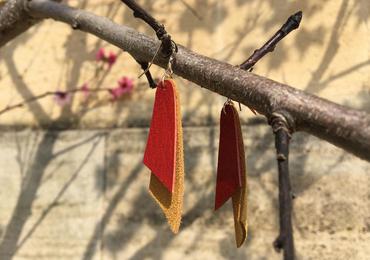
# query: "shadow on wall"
[129,225]
[35,163]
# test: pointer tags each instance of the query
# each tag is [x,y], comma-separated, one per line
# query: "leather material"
[231,170]
[229,165]
[159,154]
[239,199]
[171,203]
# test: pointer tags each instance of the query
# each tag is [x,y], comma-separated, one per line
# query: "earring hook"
[227,102]
[169,71]
[151,62]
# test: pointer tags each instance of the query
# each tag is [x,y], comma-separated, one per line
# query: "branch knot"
[281,120]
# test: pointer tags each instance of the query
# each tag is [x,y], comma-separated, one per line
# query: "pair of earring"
[164,157]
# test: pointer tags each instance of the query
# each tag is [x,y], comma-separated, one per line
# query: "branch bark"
[14,20]
[282,137]
[291,24]
[163,36]
[342,126]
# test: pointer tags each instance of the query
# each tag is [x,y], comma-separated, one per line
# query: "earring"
[164,150]
[231,170]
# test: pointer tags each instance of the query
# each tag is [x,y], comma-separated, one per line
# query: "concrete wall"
[83,195]
[80,192]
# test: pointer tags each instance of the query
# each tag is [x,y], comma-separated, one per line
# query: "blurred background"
[73,182]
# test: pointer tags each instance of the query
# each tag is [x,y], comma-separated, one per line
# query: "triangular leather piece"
[172,203]
[228,168]
[159,154]
[239,199]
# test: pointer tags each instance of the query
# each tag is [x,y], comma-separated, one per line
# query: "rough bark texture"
[285,239]
[342,126]
[14,20]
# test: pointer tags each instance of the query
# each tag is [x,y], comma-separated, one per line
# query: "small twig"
[282,136]
[163,36]
[291,24]
[167,46]
[49,93]
[148,75]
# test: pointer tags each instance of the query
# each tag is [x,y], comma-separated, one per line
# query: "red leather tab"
[160,149]
[229,166]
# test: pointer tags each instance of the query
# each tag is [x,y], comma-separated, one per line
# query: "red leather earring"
[160,150]
[164,153]
[231,170]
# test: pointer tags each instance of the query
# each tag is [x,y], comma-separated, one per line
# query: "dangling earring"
[231,170]
[164,154]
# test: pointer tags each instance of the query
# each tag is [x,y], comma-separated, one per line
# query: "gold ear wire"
[168,72]
[227,102]
[151,62]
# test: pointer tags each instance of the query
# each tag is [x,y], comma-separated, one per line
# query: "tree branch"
[163,36]
[14,20]
[291,24]
[145,67]
[48,94]
[282,136]
[342,126]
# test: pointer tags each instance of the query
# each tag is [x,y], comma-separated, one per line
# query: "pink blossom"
[85,90]
[111,59]
[116,93]
[62,98]
[100,55]
[126,83]
[125,86]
